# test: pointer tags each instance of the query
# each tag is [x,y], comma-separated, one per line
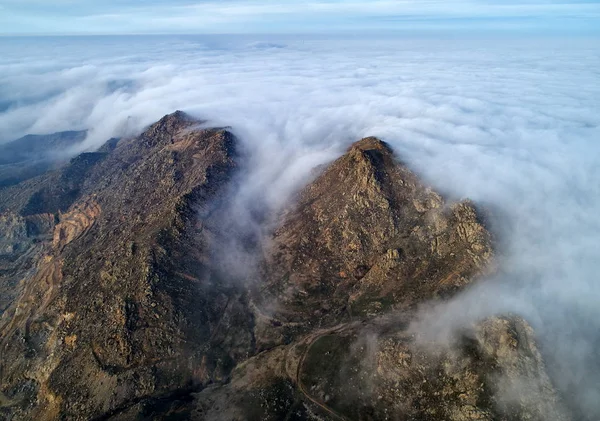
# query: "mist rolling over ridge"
[511,124]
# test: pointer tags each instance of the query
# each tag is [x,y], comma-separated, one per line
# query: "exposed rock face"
[117,308]
[22,242]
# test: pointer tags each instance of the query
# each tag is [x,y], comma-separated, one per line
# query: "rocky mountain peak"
[367,235]
[174,122]
[371,143]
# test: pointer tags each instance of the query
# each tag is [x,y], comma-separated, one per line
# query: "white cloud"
[512,124]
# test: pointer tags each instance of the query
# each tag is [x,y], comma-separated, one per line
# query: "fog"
[512,124]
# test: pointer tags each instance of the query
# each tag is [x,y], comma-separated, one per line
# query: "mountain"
[116,304]
[33,155]
[367,236]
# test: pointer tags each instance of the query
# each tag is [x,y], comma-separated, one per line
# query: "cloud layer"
[511,124]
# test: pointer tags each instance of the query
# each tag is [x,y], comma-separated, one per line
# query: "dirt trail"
[310,340]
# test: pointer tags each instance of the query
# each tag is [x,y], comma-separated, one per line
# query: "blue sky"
[293,16]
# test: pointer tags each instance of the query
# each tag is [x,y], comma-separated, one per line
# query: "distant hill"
[33,155]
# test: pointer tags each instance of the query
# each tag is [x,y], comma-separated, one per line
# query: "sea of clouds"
[510,123]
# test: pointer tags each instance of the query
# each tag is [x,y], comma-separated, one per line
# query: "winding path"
[311,341]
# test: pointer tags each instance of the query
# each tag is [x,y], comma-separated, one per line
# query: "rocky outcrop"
[75,223]
[494,371]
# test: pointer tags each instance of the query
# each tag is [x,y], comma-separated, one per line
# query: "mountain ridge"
[128,314]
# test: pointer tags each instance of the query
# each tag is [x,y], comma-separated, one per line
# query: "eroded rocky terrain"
[115,304]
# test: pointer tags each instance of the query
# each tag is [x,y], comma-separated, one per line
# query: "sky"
[64,17]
